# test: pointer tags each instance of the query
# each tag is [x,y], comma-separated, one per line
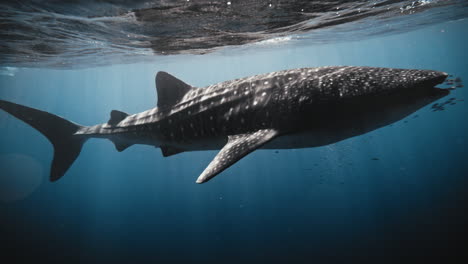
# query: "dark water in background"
[397,194]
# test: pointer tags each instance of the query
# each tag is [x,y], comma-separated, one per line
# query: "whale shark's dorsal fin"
[116,116]
[237,147]
[170,89]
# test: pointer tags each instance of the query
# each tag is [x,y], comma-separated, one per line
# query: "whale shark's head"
[401,80]
[368,98]
[428,78]
[348,82]
[410,87]
[418,91]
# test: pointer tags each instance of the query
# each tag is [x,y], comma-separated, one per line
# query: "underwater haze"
[394,195]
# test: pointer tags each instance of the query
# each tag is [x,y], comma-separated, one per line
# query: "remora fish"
[297,108]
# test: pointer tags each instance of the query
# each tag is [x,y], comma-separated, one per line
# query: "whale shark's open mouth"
[438,79]
[440,85]
[429,85]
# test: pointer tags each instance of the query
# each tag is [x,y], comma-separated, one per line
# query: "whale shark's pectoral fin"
[237,147]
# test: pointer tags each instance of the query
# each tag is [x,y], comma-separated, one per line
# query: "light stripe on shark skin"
[298,108]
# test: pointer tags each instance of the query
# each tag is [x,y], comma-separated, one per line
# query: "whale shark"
[297,108]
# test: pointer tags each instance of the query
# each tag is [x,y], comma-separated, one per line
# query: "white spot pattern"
[236,106]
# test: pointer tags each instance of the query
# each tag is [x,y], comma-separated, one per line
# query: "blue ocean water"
[394,193]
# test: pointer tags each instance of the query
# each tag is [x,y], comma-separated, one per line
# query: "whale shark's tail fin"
[59,132]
